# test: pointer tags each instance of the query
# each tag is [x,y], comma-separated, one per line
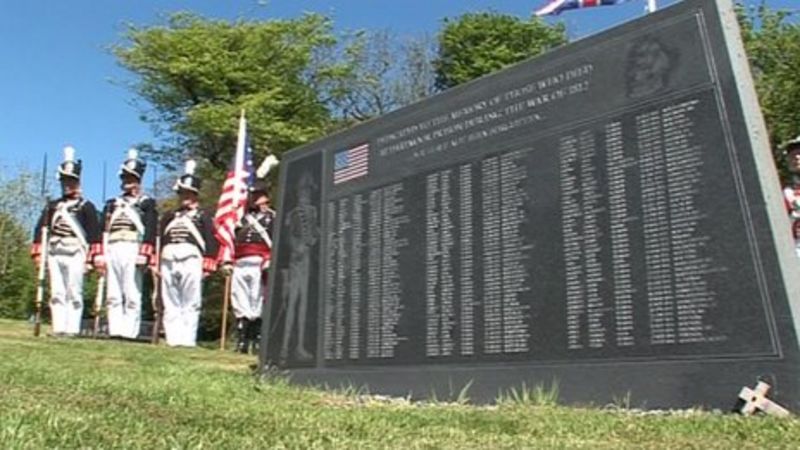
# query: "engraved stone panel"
[599,216]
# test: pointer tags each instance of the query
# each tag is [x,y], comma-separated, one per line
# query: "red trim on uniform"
[252,249]
[94,250]
[146,249]
[209,264]
[790,197]
[36,250]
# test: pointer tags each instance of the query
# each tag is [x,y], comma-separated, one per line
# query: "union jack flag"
[233,199]
[350,164]
[557,6]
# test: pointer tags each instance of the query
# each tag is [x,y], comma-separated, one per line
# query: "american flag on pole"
[351,163]
[557,6]
[233,199]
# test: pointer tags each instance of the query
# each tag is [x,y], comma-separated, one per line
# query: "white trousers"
[247,291]
[66,290]
[124,294]
[181,291]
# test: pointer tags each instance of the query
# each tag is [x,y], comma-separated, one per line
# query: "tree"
[388,73]
[17,274]
[194,75]
[19,197]
[19,206]
[476,44]
[773,48]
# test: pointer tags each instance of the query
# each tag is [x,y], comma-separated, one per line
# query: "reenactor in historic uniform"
[188,254]
[73,244]
[791,192]
[253,246]
[129,234]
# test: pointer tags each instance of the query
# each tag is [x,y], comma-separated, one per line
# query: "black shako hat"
[258,187]
[792,145]
[133,165]
[70,168]
[189,181]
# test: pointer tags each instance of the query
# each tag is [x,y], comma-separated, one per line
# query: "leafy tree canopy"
[194,75]
[773,48]
[475,44]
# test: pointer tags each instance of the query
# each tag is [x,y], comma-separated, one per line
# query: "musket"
[155,296]
[101,280]
[98,303]
[44,241]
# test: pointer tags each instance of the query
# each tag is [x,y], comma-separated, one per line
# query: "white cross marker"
[756,400]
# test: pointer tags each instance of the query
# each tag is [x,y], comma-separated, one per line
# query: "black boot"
[242,326]
[254,336]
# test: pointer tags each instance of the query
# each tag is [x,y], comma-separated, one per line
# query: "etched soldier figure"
[129,234]
[791,192]
[249,271]
[188,254]
[303,232]
[74,243]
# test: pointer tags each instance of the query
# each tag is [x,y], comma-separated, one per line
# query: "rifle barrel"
[43,240]
[40,282]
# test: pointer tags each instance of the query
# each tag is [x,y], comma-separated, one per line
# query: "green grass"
[101,394]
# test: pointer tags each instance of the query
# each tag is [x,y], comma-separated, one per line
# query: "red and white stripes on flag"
[351,163]
[554,7]
[233,199]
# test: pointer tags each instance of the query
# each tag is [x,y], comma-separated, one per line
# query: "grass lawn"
[101,394]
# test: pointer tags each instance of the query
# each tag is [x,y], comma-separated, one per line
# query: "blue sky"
[57,76]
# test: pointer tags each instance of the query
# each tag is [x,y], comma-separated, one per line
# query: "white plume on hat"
[190,166]
[69,153]
[133,153]
[269,162]
[70,167]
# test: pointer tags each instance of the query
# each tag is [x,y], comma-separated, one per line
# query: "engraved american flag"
[351,164]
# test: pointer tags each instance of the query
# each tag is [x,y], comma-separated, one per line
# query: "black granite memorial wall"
[604,216]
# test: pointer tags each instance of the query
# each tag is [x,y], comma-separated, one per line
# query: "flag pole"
[226,295]
[225,300]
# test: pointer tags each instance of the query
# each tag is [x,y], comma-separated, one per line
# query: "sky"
[60,85]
